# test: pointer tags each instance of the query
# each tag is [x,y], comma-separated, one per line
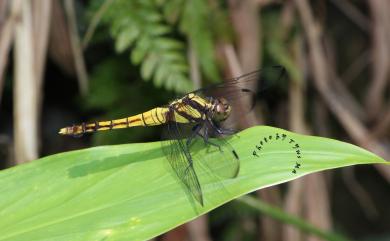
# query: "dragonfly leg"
[223,131]
[219,130]
[205,138]
[195,132]
[216,145]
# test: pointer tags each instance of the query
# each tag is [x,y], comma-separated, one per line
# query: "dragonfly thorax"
[220,109]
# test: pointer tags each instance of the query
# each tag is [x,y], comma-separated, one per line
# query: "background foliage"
[63,62]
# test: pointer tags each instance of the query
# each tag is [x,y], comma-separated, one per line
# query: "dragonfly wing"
[180,159]
[225,160]
[244,88]
[222,159]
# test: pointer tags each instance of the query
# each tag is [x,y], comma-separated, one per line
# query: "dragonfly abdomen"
[156,116]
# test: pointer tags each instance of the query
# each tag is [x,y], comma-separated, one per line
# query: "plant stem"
[280,215]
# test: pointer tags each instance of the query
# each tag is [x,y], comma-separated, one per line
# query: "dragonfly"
[195,116]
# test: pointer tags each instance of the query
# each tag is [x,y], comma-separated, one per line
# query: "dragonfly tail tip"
[63,131]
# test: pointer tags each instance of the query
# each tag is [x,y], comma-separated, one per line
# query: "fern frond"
[201,21]
[196,22]
[139,25]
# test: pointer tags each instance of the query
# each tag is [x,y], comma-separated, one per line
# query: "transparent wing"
[221,158]
[180,159]
[241,91]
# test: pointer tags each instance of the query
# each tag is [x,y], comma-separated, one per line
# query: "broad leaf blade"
[129,192]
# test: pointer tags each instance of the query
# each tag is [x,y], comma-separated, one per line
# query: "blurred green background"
[65,62]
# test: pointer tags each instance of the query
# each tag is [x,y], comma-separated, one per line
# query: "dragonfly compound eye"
[221,109]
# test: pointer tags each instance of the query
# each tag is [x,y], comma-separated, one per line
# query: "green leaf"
[172,9]
[140,50]
[139,25]
[162,72]
[129,192]
[149,14]
[126,38]
[160,29]
[148,67]
[169,44]
[107,81]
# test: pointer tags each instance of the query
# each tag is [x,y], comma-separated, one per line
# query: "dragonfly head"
[221,109]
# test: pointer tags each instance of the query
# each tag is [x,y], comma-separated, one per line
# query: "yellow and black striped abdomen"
[190,108]
[156,116]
